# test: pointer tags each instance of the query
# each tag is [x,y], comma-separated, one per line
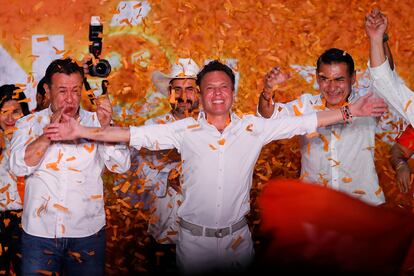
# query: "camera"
[101,68]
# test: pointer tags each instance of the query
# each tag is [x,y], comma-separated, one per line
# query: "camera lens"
[101,69]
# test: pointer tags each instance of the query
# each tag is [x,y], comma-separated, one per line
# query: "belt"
[198,230]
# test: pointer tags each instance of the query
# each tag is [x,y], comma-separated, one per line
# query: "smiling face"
[10,113]
[65,93]
[216,94]
[335,83]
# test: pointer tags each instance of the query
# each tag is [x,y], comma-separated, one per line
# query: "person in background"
[13,105]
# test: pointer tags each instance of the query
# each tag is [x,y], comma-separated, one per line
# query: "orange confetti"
[359,192]
[249,127]
[297,111]
[193,126]
[89,148]
[44,272]
[337,136]
[71,159]
[5,188]
[61,208]
[236,243]
[346,179]
[378,192]
[221,141]
[325,142]
[74,169]
[212,147]
[43,38]
[96,197]
[407,105]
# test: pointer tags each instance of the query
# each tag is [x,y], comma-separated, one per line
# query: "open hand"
[368,106]
[69,130]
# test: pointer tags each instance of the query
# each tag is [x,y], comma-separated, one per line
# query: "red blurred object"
[312,228]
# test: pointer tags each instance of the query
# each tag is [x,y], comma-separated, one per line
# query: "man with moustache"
[162,168]
[340,156]
[63,215]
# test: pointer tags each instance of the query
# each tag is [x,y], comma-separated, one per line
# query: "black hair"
[66,66]
[40,89]
[334,55]
[8,93]
[215,65]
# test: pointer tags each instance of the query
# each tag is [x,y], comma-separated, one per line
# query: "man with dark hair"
[219,150]
[42,100]
[63,215]
[340,156]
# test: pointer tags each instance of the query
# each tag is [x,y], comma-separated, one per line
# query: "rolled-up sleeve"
[388,85]
[25,133]
[116,157]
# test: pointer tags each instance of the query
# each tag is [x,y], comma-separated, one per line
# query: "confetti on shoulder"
[347,180]
[249,127]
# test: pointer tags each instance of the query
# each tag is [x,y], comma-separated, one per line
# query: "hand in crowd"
[376,24]
[368,106]
[104,110]
[68,129]
[273,78]
[403,174]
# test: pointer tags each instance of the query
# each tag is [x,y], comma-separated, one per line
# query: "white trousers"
[199,254]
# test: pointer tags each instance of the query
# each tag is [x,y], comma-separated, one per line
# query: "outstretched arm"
[72,130]
[366,106]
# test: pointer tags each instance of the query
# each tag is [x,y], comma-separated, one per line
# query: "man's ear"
[47,90]
[354,78]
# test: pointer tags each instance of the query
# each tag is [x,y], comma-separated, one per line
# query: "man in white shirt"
[385,80]
[162,168]
[340,156]
[219,151]
[63,215]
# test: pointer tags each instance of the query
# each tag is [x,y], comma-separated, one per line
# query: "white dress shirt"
[341,156]
[163,225]
[64,192]
[389,85]
[217,167]
[9,197]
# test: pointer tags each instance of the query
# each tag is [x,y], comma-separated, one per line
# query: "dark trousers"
[10,240]
[64,256]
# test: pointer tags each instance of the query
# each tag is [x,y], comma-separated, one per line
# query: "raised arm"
[271,80]
[375,26]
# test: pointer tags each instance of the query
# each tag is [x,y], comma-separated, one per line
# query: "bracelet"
[385,37]
[400,164]
[346,114]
